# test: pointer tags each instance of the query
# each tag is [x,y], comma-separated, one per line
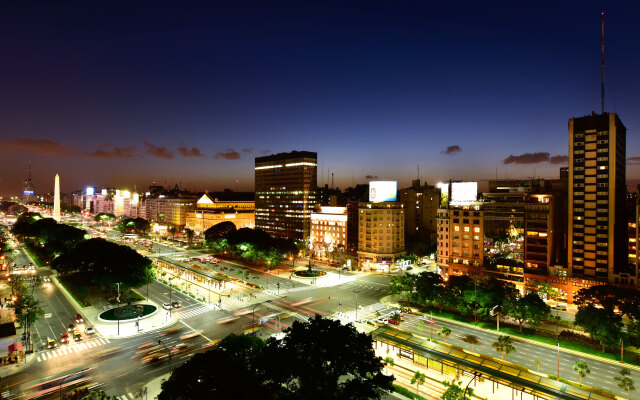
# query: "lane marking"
[185,324]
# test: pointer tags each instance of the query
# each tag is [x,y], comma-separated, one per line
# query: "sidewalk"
[11,369]
[154,387]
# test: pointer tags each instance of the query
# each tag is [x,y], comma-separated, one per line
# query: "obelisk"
[56,199]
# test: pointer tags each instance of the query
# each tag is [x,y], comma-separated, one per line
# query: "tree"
[624,381]
[104,217]
[172,230]
[444,332]
[538,362]
[323,359]
[134,225]
[418,378]
[401,284]
[219,231]
[472,340]
[388,361]
[189,233]
[219,373]
[530,308]
[582,369]
[602,324]
[104,263]
[633,332]
[504,345]
[429,288]
[27,308]
[455,392]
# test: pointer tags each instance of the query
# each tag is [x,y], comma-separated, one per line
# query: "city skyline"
[116,96]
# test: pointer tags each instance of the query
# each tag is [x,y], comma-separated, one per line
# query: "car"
[190,335]
[77,336]
[560,307]
[393,321]
[176,304]
[381,321]
[71,328]
[51,343]
[46,279]
[166,306]
[409,268]
[89,330]
[79,319]
[406,310]
[64,338]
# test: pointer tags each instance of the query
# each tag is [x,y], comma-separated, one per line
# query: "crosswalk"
[72,348]
[188,313]
[126,396]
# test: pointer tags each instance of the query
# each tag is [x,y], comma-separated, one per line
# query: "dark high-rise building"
[28,194]
[286,185]
[597,222]
[421,209]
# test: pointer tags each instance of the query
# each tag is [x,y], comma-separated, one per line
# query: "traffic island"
[305,273]
[130,312]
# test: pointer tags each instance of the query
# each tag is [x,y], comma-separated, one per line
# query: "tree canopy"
[134,225]
[251,245]
[219,231]
[626,300]
[530,308]
[104,263]
[318,359]
[602,324]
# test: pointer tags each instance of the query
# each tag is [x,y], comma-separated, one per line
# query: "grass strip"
[72,293]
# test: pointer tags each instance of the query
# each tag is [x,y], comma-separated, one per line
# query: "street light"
[356,292]
[475,375]
[558,377]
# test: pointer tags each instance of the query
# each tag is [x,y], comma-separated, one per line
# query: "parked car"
[381,321]
[406,310]
[89,330]
[79,319]
[64,338]
[176,304]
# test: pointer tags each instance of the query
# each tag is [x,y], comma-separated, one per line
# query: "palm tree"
[472,340]
[418,379]
[503,345]
[538,362]
[624,381]
[582,369]
[388,361]
[444,332]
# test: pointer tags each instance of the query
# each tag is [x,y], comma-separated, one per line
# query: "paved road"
[526,353]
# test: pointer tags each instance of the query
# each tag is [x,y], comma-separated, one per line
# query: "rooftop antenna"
[602,65]
[332,180]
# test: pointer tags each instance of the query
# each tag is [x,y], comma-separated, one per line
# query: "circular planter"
[305,274]
[128,313]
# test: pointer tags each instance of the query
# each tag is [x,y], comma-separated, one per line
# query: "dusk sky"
[119,94]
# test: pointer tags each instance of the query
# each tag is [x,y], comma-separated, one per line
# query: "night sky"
[120,95]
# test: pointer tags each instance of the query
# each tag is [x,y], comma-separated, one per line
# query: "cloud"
[371,177]
[265,152]
[117,152]
[527,158]
[228,154]
[190,152]
[633,160]
[247,150]
[158,151]
[41,146]
[452,150]
[559,159]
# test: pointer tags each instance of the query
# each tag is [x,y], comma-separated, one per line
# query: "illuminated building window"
[476,230]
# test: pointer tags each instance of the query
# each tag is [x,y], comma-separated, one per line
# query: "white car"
[166,306]
[381,321]
[89,330]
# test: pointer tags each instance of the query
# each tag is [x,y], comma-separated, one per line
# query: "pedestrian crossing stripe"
[72,348]
[196,311]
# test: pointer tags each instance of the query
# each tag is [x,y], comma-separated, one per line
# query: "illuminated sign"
[89,191]
[28,192]
[380,191]
[104,192]
[464,191]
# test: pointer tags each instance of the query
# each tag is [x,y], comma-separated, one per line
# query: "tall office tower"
[597,221]
[286,185]
[28,195]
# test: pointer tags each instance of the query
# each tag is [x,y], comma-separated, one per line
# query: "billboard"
[89,191]
[380,191]
[464,191]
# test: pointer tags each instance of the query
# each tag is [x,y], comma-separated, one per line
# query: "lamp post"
[475,375]
[558,377]
[61,382]
[356,292]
